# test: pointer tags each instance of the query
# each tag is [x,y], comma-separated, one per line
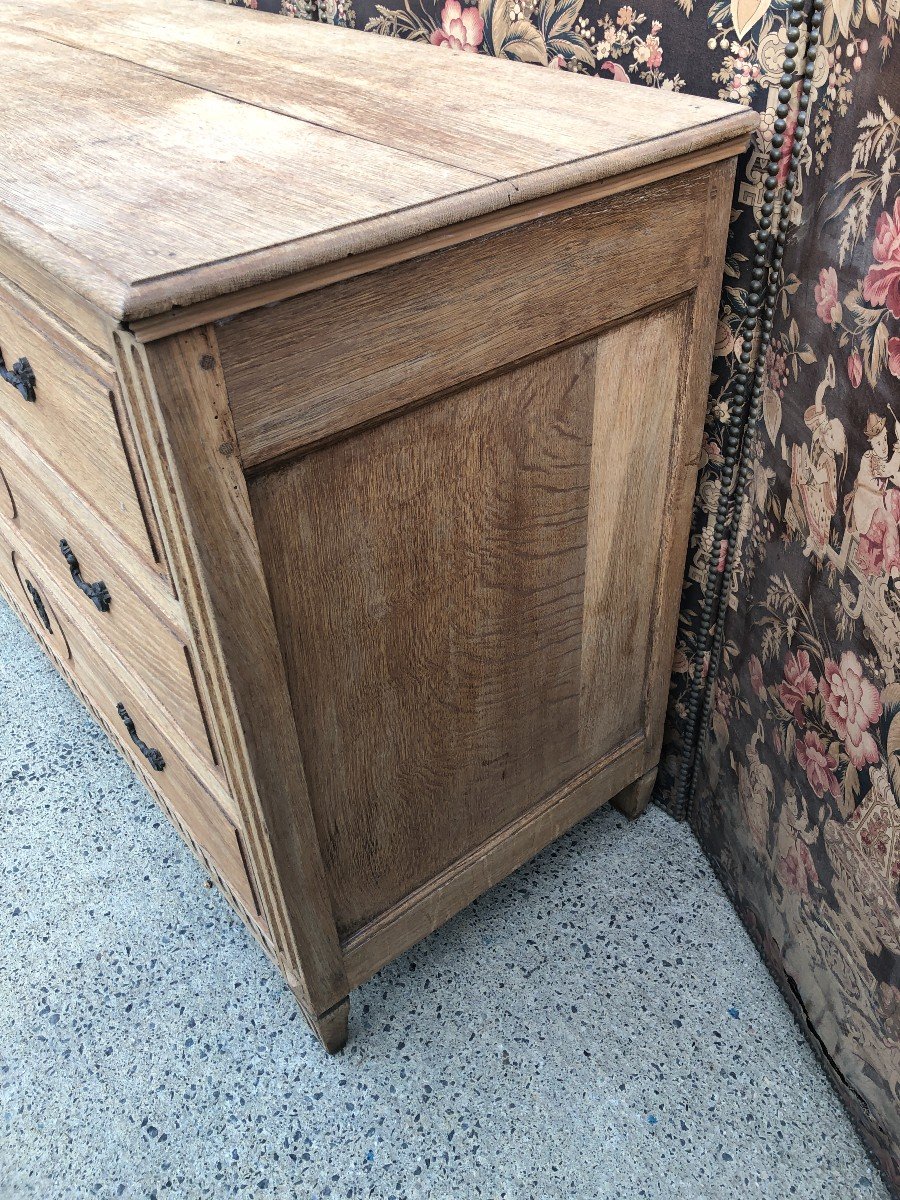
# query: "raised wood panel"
[416,505]
[639,375]
[318,364]
[463,652]
[424,909]
[83,521]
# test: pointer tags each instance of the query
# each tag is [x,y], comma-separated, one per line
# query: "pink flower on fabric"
[893,351]
[828,304]
[797,870]
[799,682]
[618,73]
[852,703]
[819,765]
[756,676]
[854,369]
[461,28]
[881,285]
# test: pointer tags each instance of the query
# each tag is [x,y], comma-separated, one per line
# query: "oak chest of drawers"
[351,403]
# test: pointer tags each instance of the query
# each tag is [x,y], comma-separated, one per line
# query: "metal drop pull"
[97,593]
[153,757]
[21,376]
[38,604]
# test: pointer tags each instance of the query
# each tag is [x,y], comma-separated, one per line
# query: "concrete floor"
[599,1026]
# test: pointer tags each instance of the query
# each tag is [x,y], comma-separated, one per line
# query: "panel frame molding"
[181,424]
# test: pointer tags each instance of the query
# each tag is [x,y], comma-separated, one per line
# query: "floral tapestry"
[798,799]
[797,784]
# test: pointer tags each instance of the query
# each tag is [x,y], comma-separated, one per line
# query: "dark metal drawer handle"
[153,757]
[39,605]
[21,376]
[97,592]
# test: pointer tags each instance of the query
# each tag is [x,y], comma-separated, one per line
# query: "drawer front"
[141,735]
[61,398]
[138,731]
[109,607]
[7,504]
[28,592]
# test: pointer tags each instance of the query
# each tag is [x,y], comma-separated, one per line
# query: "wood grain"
[208,126]
[485,600]
[72,312]
[25,581]
[179,414]
[7,500]
[199,158]
[98,681]
[231,304]
[691,399]
[431,668]
[81,519]
[378,93]
[341,357]
[638,377]
[331,1027]
[73,419]
[395,548]
[633,800]
[132,628]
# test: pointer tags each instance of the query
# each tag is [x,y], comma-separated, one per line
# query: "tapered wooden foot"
[331,1026]
[634,799]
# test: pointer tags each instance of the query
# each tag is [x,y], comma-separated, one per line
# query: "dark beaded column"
[748,387]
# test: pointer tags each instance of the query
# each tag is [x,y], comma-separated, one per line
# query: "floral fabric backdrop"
[797,796]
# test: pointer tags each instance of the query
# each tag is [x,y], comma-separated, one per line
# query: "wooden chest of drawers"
[349,436]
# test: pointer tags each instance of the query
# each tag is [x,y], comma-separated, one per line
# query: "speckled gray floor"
[599,1026]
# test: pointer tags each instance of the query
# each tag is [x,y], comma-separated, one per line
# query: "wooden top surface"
[158,157]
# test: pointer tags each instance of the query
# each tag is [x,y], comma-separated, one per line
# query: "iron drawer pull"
[21,376]
[153,757]
[39,605]
[97,592]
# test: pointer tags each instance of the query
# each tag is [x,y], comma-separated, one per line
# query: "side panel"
[466,597]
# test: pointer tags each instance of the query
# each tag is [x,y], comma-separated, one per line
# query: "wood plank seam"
[180,79]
